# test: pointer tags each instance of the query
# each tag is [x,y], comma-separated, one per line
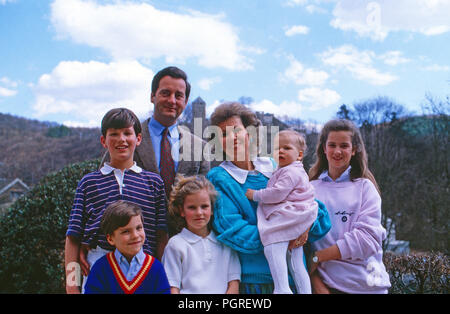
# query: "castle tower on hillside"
[199,109]
[198,112]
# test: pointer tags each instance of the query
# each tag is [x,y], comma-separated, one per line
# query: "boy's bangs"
[120,124]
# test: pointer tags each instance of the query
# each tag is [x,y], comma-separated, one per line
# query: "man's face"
[169,100]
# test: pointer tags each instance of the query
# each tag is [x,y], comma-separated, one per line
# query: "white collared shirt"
[263,165]
[344,177]
[200,265]
[131,269]
[156,131]
[119,174]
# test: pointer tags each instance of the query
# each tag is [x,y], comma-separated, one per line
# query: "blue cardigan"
[106,277]
[235,223]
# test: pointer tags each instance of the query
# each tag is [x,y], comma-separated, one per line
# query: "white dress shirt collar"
[191,237]
[107,168]
[344,177]
[262,164]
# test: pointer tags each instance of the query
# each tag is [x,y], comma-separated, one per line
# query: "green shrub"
[418,273]
[32,233]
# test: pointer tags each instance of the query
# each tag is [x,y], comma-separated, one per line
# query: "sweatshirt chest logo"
[344,215]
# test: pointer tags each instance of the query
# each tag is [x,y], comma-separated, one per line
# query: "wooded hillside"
[31,149]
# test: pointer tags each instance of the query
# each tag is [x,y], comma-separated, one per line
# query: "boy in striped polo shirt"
[120,179]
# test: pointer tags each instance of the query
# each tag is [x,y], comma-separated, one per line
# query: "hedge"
[418,273]
[32,236]
[32,233]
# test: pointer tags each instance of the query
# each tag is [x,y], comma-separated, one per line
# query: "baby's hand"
[249,194]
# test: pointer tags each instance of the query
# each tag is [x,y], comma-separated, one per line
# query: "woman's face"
[235,139]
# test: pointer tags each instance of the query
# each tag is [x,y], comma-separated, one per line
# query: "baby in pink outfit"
[286,209]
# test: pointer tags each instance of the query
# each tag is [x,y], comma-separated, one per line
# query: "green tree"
[58,131]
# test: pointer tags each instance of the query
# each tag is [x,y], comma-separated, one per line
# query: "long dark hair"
[358,162]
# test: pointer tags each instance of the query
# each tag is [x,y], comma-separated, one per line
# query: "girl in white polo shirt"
[195,262]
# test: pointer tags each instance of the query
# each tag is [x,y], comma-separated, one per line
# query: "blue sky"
[70,61]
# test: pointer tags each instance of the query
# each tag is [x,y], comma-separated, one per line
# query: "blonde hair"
[183,187]
[299,139]
[358,162]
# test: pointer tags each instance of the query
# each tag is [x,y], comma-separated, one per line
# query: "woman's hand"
[300,241]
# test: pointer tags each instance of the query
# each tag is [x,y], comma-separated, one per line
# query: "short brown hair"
[230,109]
[120,118]
[117,215]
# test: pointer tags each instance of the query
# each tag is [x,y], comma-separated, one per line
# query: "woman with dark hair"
[349,259]
[235,218]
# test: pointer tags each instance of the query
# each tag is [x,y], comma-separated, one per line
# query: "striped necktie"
[166,164]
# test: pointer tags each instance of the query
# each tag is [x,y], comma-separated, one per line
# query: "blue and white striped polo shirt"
[98,189]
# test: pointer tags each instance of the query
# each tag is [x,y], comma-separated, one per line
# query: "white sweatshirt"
[354,208]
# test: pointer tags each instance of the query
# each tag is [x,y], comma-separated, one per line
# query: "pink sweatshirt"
[286,208]
[354,208]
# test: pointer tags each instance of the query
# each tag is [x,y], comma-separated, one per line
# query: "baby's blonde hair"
[299,139]
[183,187]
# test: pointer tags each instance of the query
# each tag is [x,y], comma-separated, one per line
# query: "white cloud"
[293,3]
[394,57]
[311,6]
[129,30]
[315,9]
[87,90]
[289,108]
[3,2]
[207,83]
[437,68]
[376,19]
[435,30]
[9,87]
[210,108]
[300,75]
[8,82]
[311,99]
[6,92]
[78,124]
[296,29]
[318,98]
[358,63]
